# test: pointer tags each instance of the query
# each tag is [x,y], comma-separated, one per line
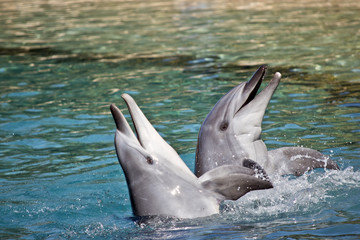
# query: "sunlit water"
[63,62]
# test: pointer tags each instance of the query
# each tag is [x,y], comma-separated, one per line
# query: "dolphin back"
[297,161]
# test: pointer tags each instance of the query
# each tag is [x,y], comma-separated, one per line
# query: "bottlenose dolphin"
[232,132]
[161,184]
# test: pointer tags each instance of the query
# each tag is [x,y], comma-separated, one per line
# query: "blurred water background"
[63,62]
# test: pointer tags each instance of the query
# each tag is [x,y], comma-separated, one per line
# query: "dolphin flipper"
[297,161]
[234,181]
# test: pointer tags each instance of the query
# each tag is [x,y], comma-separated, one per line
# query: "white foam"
[312,192]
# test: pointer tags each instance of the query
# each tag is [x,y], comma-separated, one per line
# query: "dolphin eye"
[224,126]
[149,160]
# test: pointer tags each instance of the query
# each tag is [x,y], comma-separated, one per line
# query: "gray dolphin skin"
[161,184]
[231,133]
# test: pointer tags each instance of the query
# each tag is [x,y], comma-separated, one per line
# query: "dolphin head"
[159,182]
[151,140]
[232,130]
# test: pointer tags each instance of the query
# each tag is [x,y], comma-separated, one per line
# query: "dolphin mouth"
[116,114]
[253,85]
[119,119]
[138,119]
[121,123]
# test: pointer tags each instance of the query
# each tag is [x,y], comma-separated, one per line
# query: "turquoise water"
[63,63]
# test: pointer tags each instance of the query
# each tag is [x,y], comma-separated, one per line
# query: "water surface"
[63,63]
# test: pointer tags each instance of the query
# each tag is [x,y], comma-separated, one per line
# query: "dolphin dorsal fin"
[233,181]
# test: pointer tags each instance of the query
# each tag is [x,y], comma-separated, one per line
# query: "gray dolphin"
[232,132]
[161,184]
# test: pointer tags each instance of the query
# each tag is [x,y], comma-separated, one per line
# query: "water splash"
[293,197]
[305,200]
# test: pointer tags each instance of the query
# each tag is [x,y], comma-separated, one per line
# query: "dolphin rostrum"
[161,184]
[232,132]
